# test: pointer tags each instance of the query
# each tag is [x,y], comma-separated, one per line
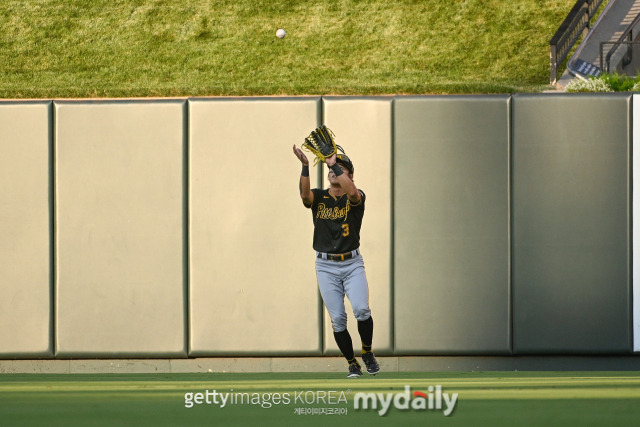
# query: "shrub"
[591,85]
[605,83]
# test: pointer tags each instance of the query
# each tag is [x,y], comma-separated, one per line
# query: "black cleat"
[354,370]
[372,364]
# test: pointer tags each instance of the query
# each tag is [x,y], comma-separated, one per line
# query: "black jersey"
[336,222]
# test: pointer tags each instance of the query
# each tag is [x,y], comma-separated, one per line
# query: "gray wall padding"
[495,225]
[253,287]
[571,239]
[25,256]
[363,127]
[451,223]
[120,254]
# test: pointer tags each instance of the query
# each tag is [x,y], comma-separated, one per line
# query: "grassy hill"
[136,48]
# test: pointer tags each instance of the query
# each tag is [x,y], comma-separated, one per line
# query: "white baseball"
[281,33]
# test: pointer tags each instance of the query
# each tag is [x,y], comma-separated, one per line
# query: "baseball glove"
[321,142]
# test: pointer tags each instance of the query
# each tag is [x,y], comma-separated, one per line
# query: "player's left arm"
[346,183]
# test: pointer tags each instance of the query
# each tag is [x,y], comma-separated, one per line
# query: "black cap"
[346,161]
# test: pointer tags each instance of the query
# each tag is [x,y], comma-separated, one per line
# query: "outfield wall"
[495,226]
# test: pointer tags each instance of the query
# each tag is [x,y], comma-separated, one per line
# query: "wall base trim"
[321,364]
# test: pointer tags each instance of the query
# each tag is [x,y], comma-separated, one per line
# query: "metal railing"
[576,24]
[622,58]
[626,62]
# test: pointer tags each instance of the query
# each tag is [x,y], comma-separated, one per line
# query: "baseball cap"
[345,161]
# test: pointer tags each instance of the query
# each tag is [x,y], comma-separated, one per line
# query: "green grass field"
[484,399]
[122,48]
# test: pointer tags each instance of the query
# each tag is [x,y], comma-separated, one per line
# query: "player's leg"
[365,329]
[357,290]
[332,292]
[345,344]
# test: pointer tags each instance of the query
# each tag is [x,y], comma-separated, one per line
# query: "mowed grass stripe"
[479,385]
[484,399]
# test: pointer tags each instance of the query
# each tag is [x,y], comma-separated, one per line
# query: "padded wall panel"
[363,128]
[120,286]
[25,273]
[253,287]
[570,223]
[635,222]
[451,207]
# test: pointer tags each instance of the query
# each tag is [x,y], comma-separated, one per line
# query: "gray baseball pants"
[337,279]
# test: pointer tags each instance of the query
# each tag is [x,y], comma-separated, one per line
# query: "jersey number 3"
[345,230]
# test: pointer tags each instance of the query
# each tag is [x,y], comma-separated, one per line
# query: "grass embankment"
[118,48]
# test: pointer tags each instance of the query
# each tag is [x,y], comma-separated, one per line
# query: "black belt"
[339,257]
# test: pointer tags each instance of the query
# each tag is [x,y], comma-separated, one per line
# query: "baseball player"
[337,217]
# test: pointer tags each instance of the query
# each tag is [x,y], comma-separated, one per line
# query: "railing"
[627,39]
[626,62]
[574,25]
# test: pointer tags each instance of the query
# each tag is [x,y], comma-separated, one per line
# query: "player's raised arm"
[305,184]
[344,179]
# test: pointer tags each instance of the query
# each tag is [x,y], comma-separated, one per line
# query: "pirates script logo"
[333,213]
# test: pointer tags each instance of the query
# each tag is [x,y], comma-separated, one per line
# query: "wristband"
[336,169]
[305,170]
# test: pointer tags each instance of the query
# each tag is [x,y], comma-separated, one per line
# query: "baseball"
[281,33]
